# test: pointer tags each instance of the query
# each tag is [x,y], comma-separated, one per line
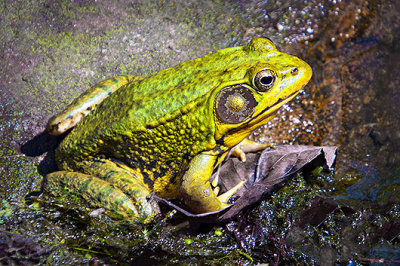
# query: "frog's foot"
[228,194]
[246,146]
[196,190]
[240,151]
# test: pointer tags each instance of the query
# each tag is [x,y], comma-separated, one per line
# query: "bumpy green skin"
[161,134]
[86,102]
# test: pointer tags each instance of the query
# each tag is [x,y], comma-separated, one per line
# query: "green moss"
[389,193]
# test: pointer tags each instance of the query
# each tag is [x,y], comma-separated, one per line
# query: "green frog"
[129,137]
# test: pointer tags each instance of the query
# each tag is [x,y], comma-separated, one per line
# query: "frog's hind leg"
[108,185]
[86,103]
[95,191]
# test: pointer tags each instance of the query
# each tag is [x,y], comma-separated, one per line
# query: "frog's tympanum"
[166,133]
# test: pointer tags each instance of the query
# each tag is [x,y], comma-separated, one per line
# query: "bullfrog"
[131,137]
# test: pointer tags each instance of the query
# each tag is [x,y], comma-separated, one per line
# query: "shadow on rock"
[40,144]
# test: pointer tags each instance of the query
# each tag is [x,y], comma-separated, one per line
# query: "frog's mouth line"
[278,104]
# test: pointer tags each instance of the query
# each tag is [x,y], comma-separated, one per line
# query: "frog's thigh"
[97,192]
[101,178]
[130,181]
[195,188]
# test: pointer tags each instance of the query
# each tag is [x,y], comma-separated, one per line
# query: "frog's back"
[180,88]
[171,91]
[166,96]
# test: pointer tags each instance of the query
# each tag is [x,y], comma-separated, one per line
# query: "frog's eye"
[235,104]
[264,79]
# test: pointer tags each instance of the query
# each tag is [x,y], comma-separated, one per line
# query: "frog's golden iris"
[264,79]
[165,134]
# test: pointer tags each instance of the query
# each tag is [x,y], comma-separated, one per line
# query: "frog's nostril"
[294,71]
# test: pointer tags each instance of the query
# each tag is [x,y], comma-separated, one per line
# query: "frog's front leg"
[196,189]
[246,146]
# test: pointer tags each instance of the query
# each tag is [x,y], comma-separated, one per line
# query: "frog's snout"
[302,73]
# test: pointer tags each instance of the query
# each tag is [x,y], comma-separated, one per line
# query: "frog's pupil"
[267,80]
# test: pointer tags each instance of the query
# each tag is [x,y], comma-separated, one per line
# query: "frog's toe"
[246,146]
[238,152]
[225,196]
[228,194]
